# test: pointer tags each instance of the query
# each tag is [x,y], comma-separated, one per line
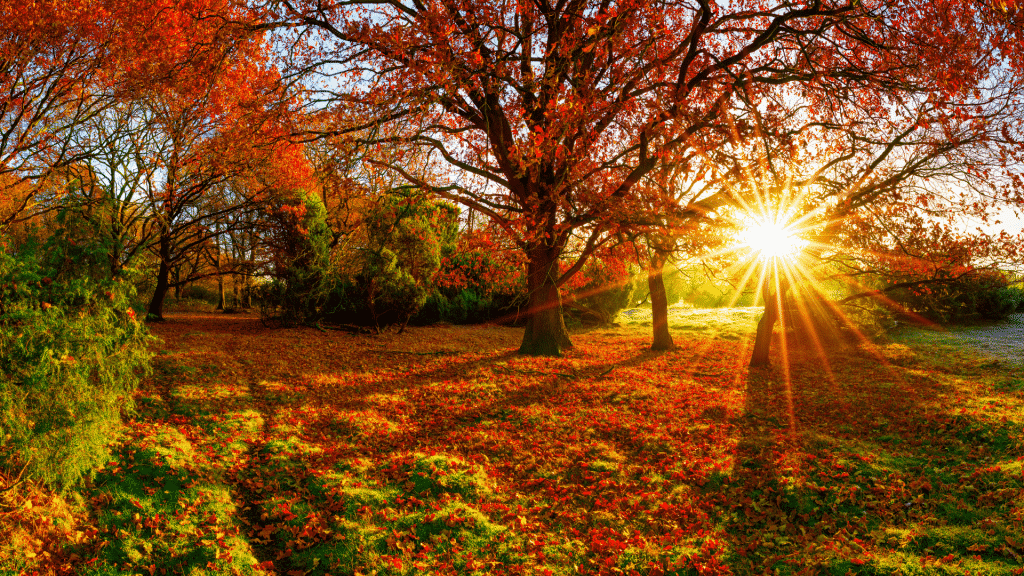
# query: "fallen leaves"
[303,454]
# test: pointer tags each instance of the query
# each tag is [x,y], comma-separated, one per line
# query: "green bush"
[599,291]
[982,295]
[200,294]
[467,306]
[602,303]
[391,294]
[302,280]
[999,302]
[395,262]
[71,354]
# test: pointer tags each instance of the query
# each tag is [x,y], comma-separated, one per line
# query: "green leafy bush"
[302,279]
[71,354]
[1000,301]
[390,292]
[394,261]
[981,295]
[599,291]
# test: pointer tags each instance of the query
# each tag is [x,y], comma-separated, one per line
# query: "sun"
[771,239]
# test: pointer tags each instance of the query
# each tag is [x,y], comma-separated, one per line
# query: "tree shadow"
[849,464]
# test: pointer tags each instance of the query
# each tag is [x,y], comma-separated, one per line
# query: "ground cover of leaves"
[439,450]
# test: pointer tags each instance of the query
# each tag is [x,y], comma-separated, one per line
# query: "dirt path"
[1002,341]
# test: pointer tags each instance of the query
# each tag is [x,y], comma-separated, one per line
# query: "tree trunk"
[545,329]
[765,326]
[659,303]
[221,292]
[220,283]
[247,291]
[163,284]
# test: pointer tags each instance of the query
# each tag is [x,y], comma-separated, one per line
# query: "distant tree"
[208,138]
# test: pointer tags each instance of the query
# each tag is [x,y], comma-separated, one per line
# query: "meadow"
[441,451]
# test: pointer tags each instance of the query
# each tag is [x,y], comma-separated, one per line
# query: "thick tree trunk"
[163,284]
[659,303]
[765,326]
[545,329]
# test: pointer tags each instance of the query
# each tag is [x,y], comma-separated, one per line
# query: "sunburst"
[771,238]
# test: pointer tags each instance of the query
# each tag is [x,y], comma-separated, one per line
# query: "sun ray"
[806,315]
[751,268]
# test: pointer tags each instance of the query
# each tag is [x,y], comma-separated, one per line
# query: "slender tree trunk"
[115,259]
[247,290]
[772,312]
[545,329]
[163,284]
[220,283]
[662,339]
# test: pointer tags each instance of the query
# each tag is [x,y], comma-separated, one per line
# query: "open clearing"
[295,451]
[1001,341]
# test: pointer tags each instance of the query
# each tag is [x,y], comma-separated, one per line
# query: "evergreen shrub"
[71,354]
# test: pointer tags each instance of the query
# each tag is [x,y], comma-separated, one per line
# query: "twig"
[17,480]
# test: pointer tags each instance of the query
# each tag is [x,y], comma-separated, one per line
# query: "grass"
[298,452]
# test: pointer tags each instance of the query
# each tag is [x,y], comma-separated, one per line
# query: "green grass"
[162,508]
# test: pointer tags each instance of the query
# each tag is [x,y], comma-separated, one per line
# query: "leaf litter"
[440,450]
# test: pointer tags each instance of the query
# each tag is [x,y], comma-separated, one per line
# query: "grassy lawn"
[441,451]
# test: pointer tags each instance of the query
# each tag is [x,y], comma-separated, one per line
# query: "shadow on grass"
[855,466]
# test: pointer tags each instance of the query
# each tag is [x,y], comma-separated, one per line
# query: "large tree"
[549,114]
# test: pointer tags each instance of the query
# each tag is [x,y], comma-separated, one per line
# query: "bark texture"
[163,283]
[545,333]
[662,338]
